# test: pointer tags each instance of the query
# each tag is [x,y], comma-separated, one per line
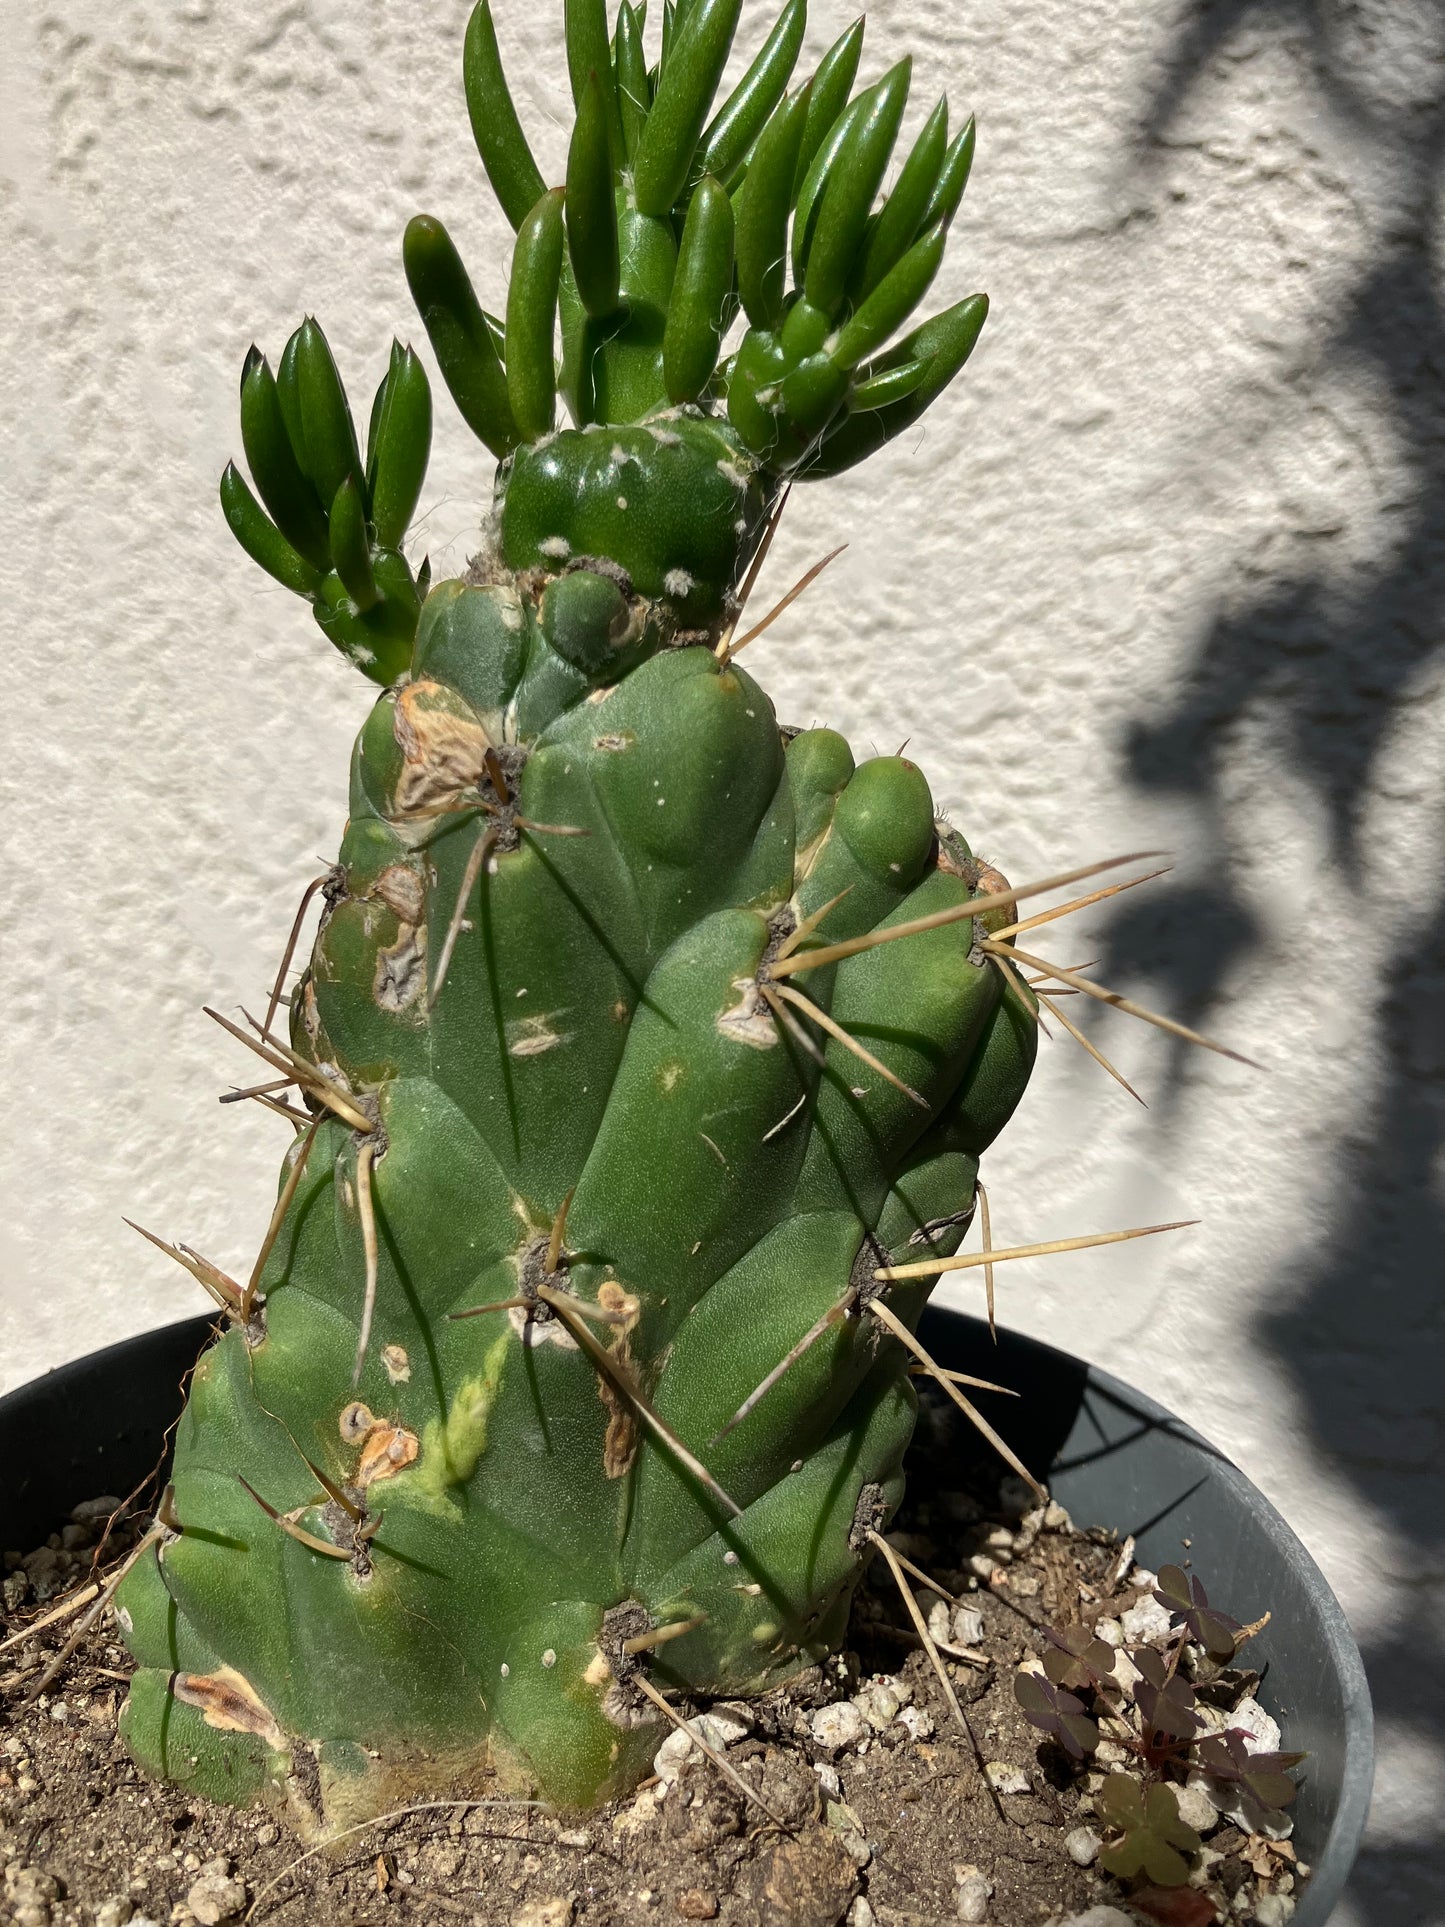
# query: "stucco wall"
[1164,571]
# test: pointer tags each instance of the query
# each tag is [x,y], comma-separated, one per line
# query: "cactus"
[573,1376]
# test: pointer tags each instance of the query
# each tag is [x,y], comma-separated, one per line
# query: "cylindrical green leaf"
[944,343]
[589,55]
[331,452]
[591,208]
[351,546]
[463,336]
[531,315]
[261,539]
[853,181]
[952,179]
[289,396]
[634,94]
[514,175]
[742,116]
[688,82]
[810,194]
[397,452]
[275,470]
[804,331]
[890,303]
[764,201]
[832,82]
[697,311]
[896,226]
[378,402]
[878,390]
[812,391]
[669,30]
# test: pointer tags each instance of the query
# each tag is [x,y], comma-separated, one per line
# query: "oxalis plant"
[646,1053]
[1146,1701]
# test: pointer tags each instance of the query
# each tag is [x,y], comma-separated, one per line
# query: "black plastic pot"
[1112,1456]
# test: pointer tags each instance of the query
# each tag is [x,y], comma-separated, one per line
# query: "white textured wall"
[1166,570]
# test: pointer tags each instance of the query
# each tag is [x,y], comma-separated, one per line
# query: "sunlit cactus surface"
[572,1382]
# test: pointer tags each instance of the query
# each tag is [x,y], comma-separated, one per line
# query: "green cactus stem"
[559,1378]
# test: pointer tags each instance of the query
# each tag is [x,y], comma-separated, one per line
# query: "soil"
[890,1818]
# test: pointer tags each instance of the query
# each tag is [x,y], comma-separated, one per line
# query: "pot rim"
[950,1328]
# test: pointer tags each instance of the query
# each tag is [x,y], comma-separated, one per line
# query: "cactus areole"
[608,1102]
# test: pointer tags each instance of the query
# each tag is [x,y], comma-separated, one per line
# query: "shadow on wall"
[1323,665]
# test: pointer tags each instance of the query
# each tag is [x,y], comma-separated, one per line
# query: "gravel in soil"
[893,1813]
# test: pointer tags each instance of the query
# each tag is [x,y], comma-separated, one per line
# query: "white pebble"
[971,1894]
[668,1759]
[1196,1809]
[860,1914]
[1261,1735]
[722,1726]
[1273,1910]
[1005,1778]
[1124,1670]
[89,1511]
[1110,1631]
[856,1847]
[216,1896]
[720,1730]
[878,1703]
[828,1779]
[838,1727]
[552,1910]
[1147,1623]
[1097,1917]
[916,1723]
[967,1626]
[1082,1846]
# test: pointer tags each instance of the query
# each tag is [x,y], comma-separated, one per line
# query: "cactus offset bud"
[618,1106]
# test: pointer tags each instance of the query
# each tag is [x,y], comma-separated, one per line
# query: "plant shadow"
[1321,665]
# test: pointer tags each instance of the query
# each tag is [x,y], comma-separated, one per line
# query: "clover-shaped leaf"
[1053,1711]
[1226,1756]
[1076,1657]
[1188,1604]
[1154,1840]
[1166,1701]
